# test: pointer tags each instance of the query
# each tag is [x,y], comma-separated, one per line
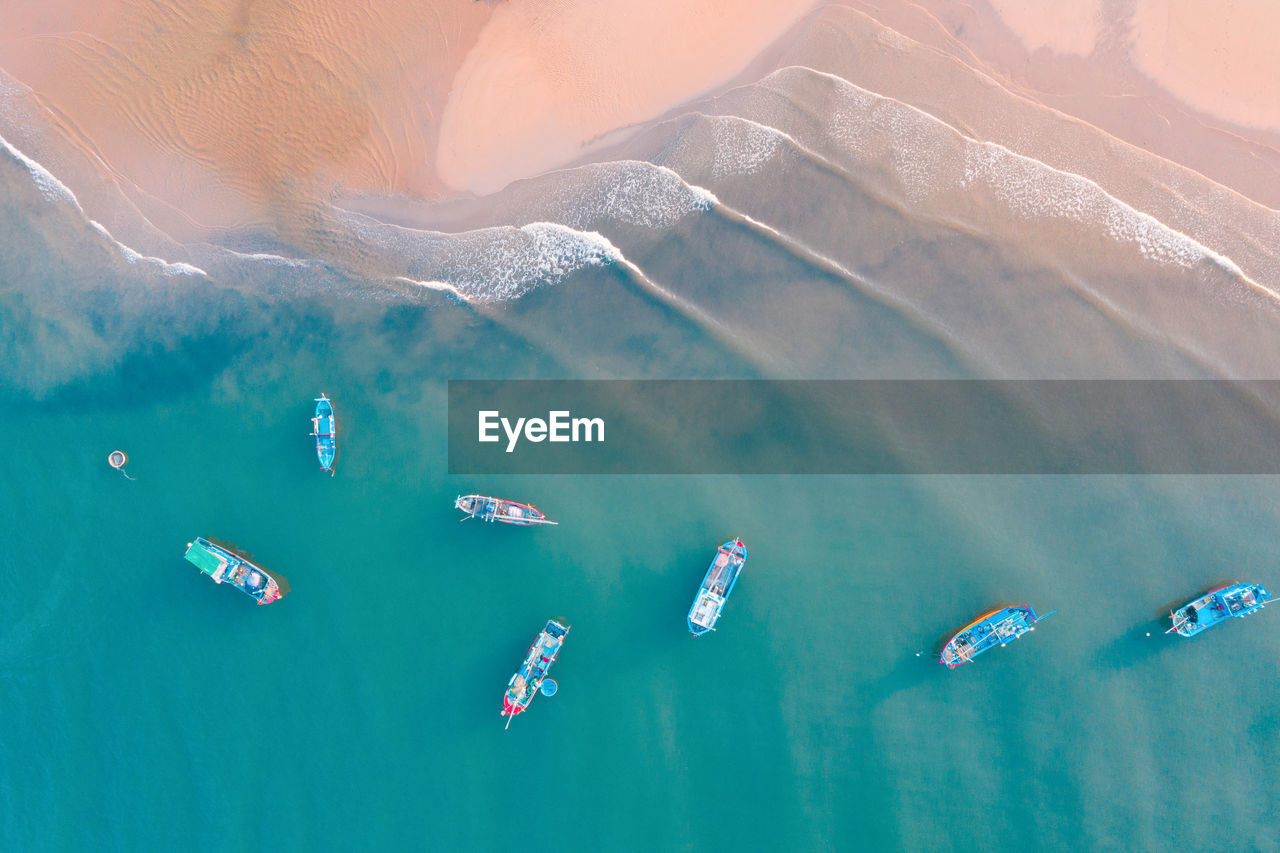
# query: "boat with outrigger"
[226,566]
[500,509]
[1217,606]
[531,677]
[717,583]
[325,430]
[997,628]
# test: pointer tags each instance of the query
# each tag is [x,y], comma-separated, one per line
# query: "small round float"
[549,687]
[118,459]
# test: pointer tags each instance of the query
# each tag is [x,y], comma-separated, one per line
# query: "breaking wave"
[488,264]
[633,192]
[55,192]
[877,128]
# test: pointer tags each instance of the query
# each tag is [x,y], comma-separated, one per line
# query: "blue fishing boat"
[1217,606]
[532,674]
[498,509]
[325,430]
[989,630]
[716,586]
[226,566]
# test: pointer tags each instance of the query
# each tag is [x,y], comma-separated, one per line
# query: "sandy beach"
[220,115]
[544,79]
[224,113]
[1221,60]
[1141,77]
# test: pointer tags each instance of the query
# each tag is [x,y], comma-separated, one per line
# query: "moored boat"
[1217,606]
[325,430]
[996,628]
[716,586]
[226,566]
[532,674]
[498,509]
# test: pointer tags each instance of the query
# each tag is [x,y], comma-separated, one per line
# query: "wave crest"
[488,264]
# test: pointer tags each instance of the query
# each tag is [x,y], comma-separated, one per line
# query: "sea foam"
[51,188]
[488,264]
[56,192]
[633,192]
[876,127]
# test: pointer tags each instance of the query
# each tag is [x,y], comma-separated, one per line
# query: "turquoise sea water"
[148,709]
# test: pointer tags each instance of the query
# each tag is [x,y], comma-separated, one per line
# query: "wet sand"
[1168,92]
[544,79]
[1220,59]
[233,115]
[223,113]
[267,129]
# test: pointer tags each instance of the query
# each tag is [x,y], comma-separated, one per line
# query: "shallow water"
[157,710]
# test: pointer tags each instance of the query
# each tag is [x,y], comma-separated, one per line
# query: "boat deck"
[1212,608]
[987,632]
[706,609]
[716,586]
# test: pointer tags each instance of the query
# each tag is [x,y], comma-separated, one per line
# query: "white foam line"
[279,260]
[1146,220]
[805,252]
[704,196]
[608,250]
[133,257]
[442,286]
[605,249]
[804,150]
[57,192]
[50,187]
[631,192]
[551,252]
[900,41]
[887,296]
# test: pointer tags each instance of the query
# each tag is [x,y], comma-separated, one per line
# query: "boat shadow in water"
[1140,642]
[910,673]
[916,669]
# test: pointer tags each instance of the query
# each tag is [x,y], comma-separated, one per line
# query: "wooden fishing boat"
[325,430]
[499,509]
[997,628]
[532,674]
[225,566]
[717,583]
[1217,606]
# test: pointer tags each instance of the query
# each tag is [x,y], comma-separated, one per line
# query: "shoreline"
[159,172]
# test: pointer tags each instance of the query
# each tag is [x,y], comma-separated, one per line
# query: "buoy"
[118,459]
[549,687]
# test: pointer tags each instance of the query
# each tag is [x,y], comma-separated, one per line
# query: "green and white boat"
[226,566]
